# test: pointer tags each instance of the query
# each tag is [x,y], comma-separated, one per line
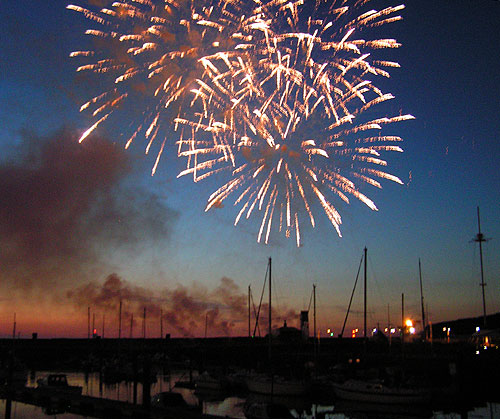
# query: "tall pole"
[144,324]
[88,322]
[120,321]
[14,328]
[365,298]
[352,295]
[249,333]
[103,321]
[480,239]
[389,324]
[131,325]
[422,298]
[402,321]
[270,310]
[314,300]
[314,321]
[161,323]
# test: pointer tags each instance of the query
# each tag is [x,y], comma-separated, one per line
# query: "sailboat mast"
[120,320]
[365,299]
[249,335]
[144,324]
[314,293]
[422,298]
[480,239]
[270,310]
[389,324]
[403,324]
[352,295]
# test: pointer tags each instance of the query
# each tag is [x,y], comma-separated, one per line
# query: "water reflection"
[219,404]
[213,403]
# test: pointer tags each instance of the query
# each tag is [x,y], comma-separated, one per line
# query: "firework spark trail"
[148,52]
[290,108]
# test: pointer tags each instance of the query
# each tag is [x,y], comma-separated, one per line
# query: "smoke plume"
[65,206]
[185,311]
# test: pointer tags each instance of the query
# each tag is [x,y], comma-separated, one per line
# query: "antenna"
[480,239]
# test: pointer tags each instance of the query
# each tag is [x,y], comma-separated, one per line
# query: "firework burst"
[148,52]
[289,115]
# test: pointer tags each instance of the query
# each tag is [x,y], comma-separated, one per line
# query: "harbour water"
[218,404]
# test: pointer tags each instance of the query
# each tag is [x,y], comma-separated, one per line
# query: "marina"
[285,374]
[457,381]
[110,401]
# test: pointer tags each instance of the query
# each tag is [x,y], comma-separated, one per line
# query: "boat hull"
[263,410]
[276,386]
[378,393]
[208,382]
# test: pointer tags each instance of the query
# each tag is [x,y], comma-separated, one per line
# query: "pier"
[58,401]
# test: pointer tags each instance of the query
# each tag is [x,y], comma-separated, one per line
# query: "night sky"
[85,224]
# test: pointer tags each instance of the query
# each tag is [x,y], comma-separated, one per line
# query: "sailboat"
[377,391]
[276,386]
[272,384]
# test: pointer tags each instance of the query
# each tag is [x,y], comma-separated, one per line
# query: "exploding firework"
[290,115]
[147,52]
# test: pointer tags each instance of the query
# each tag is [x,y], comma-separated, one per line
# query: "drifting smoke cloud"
[64,208]
[185,310]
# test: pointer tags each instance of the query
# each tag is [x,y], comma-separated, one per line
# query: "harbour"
[460,381]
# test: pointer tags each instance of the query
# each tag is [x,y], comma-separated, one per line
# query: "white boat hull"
[377,393]
[277,386]
[208,382]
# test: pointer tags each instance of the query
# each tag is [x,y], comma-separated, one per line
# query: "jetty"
[58,401]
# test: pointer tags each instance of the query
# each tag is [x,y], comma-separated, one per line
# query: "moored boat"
[207,381]
[59,383]
[377,392]
[266,410]
[168,399]
[277,386]
[359,409]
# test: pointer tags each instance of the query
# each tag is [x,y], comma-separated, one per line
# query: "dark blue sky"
[449,80]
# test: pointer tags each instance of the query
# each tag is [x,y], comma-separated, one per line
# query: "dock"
[96,407]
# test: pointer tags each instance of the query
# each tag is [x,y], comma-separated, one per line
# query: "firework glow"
[291,117]
[279,96]
[148,52]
